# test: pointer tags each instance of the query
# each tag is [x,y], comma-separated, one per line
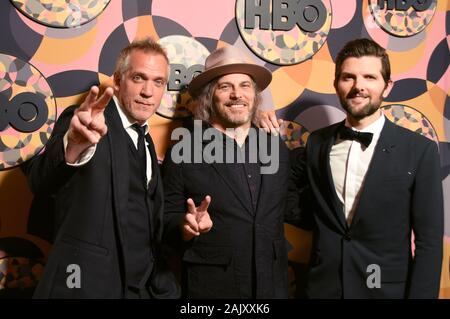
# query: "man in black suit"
[374,183]
[99,176]
[229,206]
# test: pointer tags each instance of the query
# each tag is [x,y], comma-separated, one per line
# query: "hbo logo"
[309,15]
[404,5]
[180,76]
[26,112]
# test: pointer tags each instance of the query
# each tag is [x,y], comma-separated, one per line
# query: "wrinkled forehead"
[152,61]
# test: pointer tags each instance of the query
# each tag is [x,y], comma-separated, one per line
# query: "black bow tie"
[347,133]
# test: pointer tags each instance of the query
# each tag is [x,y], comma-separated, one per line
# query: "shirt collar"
[374,128]
[208,125]
[127,123]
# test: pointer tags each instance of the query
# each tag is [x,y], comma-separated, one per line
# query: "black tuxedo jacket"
[243,242]
[86,206]
[402,192]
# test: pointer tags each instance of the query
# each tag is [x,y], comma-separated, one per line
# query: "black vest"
[138,228]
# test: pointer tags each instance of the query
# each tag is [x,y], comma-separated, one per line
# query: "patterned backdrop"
[51,52]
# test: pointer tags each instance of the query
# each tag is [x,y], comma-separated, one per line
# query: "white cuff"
[84,157]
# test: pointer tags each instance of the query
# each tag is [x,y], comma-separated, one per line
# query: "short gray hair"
[147,45]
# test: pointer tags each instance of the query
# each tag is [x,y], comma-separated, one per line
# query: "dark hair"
[359,48]
[146,45]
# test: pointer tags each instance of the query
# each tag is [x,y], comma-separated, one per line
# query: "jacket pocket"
[389,274]
[398,179]
[210,273]
[83,245]
[208,255]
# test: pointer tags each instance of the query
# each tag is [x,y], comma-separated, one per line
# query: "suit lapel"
[328,184]
[229,180]
[267,182]
[119,163]
[157,211]
[384,150]
[223,170]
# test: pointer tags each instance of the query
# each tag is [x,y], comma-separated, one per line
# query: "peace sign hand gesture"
[197,220]
[88,125]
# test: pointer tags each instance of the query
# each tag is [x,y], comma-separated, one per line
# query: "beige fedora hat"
[228,60]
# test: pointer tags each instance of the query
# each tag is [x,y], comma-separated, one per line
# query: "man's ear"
[117,78]
[388,88]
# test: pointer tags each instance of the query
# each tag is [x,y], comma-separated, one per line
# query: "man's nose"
[147,90]
[236,93]
[358,85]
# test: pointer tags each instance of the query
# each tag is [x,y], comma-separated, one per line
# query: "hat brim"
[259,74]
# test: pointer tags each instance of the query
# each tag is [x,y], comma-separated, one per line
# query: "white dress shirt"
[86,156]
[349,161]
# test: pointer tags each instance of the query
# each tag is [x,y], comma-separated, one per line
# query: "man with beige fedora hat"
[231,211]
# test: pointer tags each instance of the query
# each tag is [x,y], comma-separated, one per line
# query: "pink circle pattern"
[62,14]
[283,47]
[19,76]
[402,23]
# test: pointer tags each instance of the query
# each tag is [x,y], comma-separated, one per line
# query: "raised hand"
[197,220]
[269,122]
[88,125]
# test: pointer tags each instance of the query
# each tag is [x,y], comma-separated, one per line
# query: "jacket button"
[347,237]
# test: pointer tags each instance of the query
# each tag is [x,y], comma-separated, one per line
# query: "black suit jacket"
[242,242]
[402,191]
[86,206]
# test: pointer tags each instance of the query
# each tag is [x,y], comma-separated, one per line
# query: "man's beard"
[231,120]
[360,113]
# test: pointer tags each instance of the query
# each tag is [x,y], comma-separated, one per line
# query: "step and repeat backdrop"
[51,52]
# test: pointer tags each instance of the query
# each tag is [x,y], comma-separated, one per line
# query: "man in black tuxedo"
[231,211]
[374,183]
[99,178]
